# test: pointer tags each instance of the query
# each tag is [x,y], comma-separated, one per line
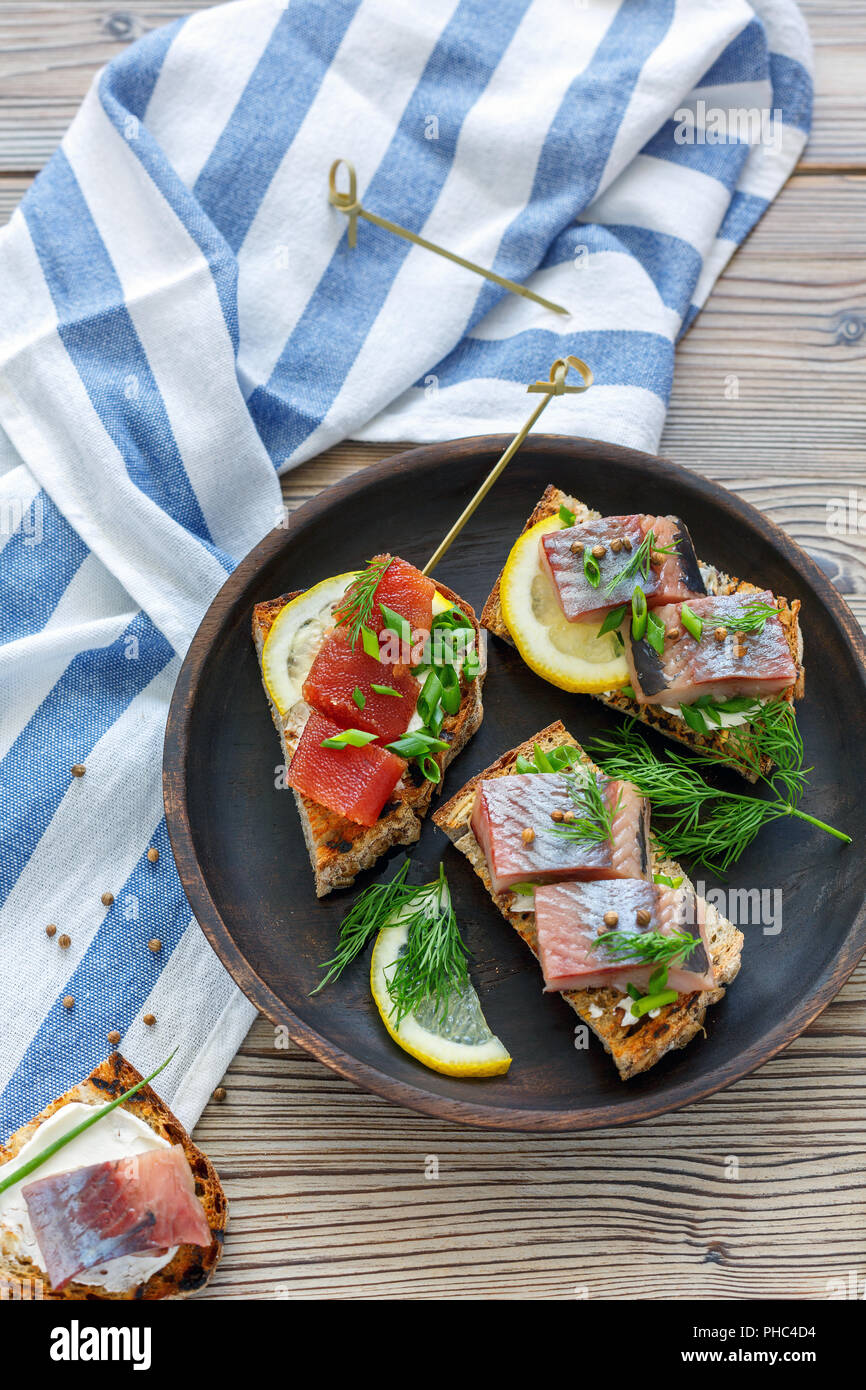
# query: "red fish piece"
[760,666]
[506,807]
[406,591]
[338,671]
[676,576]
[127,1206]
[569,917]
[353,782]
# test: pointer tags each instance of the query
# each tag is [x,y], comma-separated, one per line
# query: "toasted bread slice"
[653,715]
[192,1265]
[636,1048]
[339,849]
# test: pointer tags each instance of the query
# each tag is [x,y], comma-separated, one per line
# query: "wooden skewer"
[554,387]
[348,203]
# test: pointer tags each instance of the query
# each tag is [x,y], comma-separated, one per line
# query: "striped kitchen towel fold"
[183,318]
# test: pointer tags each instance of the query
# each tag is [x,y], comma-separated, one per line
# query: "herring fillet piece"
[505,807]
[569,917]
[687,669]
[675,577]
[126,1206]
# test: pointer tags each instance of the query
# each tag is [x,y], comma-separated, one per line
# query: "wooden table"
[327,1185]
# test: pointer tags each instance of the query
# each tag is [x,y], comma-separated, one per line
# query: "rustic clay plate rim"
[194,879]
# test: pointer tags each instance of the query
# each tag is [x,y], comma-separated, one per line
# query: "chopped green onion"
[524,765]
[348,738]
[613,620]
[591,569]
[522,890]
[428,698]
[370,643]
[471,665]
[691,622]
[436,720]
[653,1001]
[633,992]
[627,690]
[450,689]
[431,769]
[416,744]
[359,697]
[387,690]
[395,623]
[638,614]
[542,762]
[666,881]
[694,718]
[658,979]
[655,632]
[566,515]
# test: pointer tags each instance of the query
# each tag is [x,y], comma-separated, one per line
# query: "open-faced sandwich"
[126,1209]
[374,682]
[621,608]
[567,855]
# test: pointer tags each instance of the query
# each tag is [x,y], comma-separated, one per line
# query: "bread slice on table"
[636,1048]
[653,715]
[339,849]
[192,1265]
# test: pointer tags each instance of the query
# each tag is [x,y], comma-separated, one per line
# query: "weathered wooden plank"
[49,53]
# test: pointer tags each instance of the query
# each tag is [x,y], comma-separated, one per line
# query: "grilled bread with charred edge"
[653,715]
[192,1265]
[639,1047]
[339,849]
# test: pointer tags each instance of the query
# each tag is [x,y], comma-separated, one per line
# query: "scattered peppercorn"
[107,899]
[154,944]
[219,1093]
[114,1037]
[642,917]
[68,1002]
[527,834]
[64,941]
[611,919]
[153,854]
[78,770]
[51,930]
[149,1020]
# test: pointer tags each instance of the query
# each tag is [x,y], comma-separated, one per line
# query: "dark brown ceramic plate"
[242,860]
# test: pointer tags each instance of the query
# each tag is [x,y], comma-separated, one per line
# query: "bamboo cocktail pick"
[348,203]
[554,387]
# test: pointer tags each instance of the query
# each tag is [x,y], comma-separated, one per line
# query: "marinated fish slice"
[338,672]
[512,822]
[407,591]
[90,1215]
[569,917]
[353,782]
[675,576]
[759,664]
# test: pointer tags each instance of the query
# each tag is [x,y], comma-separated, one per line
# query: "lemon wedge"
[455,1040]
[569,655]
[296,636]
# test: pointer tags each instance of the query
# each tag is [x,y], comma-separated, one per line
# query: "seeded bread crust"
[338,848]
[192,1266]
[639,1047]
[652,715]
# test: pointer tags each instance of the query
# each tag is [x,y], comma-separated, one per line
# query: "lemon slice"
[296,636]
[456,1040]
[570,655]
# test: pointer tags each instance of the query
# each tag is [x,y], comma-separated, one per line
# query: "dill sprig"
[434,960]
[639,561]
[593,823]
[355,607]
[751,618]
[433,963]
[772,732]
[691,819]
[654,947]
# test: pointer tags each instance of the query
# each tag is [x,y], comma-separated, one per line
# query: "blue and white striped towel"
[181,318]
